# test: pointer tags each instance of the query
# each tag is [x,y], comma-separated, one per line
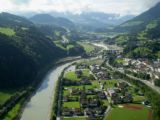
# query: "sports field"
[130,112]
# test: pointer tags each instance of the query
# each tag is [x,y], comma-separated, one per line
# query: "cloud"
[77,6]
[19,1]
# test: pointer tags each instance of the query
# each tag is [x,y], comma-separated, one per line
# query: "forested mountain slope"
[143,38]
[147,20]
[23,51]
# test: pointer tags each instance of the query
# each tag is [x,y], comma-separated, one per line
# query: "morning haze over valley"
[79,60]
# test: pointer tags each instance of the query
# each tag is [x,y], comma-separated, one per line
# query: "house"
[78,112]
[84,103]
[67,112]
[102,95]
[67,82]
[95,68]
[111,92]
[85,81]
[101,110]
[122,85]
[93,103]
[90,92]
[66,99]
[127,98]
[82,66]
[102,75]
[90,112]
[117,100]
[78,73]
[146,102]
[82,95]
[75,92]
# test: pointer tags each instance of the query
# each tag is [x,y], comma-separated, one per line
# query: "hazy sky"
[77,6]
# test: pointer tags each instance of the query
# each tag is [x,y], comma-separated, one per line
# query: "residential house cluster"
[100,73]
[120,94]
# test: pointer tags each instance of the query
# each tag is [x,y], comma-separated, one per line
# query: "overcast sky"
[122,7]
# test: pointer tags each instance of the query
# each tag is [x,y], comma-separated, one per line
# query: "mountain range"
[47,19]
[85,20]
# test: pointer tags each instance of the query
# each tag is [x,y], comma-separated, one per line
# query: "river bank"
[42,86]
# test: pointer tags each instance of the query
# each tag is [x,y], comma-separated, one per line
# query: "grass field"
[4,96]
[132,23]
[87,47]
[14,111]
[139,98]
[7,31]
[58,44]
[152,25]
[71,104]
[128,114]
[75,118]
[109,83]
[73,76]
[70,46]
[119,61]
[66,93]
[96,84]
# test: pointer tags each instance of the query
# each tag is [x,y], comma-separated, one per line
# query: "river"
[40,105]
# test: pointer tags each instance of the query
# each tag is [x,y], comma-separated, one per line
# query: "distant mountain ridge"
[87,20]
[142,38]
[94,20]
[47,19]
[7,19]
[141,21]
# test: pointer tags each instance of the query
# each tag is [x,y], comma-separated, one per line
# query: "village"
[90,90]
[141,68]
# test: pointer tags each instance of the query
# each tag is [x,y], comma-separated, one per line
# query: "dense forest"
[24,50]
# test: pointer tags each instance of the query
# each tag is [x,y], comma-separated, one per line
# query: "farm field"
[136,112]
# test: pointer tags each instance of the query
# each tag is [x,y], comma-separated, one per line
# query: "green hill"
[143,21]
[142,38]
[24,50]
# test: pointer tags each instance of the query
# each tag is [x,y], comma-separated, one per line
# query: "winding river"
[40,105]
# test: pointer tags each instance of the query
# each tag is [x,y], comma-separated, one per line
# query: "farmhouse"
[111,92]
